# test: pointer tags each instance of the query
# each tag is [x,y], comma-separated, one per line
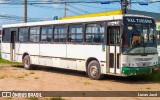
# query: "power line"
[73,2]
[46,7]
[21,18]
[73,12]
[82,3]
[51,2]
[93,6]
[78,8]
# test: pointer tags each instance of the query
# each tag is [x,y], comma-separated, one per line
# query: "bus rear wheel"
[27,62]
[94,70]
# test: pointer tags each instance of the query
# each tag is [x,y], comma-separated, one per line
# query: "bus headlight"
[124,64]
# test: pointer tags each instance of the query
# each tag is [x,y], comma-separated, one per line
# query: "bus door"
[113,53]
[13,39]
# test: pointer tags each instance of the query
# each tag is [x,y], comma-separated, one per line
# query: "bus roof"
[77,20]
[108,13]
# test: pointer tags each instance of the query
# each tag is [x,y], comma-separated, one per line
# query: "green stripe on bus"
[129,71]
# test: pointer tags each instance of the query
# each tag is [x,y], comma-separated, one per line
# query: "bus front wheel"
[27,62]
[94,71]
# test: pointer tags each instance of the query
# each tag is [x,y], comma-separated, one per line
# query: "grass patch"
[32,72]
[56,98]
[36,78]
[26,74]
[8,98]
[154,77]
[3,76]
[148,88]
[20,76]
[3,61]
[33,98]
[87,83]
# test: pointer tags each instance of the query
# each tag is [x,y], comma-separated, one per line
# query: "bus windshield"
[139,39]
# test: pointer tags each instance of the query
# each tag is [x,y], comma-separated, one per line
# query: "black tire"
[27,62]
[94,70]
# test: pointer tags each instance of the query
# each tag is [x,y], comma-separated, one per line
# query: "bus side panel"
[75,52]
[31,49]
[52,53]
[53,50]
[97,52]
[158,49]
[56,62]
[81,65]
[83,52]
[6,49]
[18,55]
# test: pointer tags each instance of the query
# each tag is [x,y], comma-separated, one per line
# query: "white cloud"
[2,1]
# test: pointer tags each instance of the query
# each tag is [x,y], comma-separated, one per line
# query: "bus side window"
[118,35]
[75,33]
[46,34]
[113,32]
[94,33]
[60,33]
[6,38]
[23,35]
[34,34]
[110,36]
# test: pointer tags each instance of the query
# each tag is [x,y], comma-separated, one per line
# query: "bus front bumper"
[129,71]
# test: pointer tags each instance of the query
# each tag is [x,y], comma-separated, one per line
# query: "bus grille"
[143,64]
[143,59]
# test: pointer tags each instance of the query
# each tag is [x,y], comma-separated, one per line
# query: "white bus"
[0,36]
[117,44]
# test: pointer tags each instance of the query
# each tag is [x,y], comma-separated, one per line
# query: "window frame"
[60,25]
[34,34]
[28,34]
[115,27]
[69,33]
[103,23]
[52,39]
[6,41]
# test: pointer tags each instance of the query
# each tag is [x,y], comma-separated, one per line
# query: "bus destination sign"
[138,20]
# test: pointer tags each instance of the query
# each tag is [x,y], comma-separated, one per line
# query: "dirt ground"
[53,79]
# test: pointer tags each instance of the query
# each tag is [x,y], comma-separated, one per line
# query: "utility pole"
[129,5]
[25,11]
[124,4]
[65,9]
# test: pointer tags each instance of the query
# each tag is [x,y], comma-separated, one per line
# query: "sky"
[13,13]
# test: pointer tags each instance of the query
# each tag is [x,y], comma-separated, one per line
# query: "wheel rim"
[94,70]
[26,63]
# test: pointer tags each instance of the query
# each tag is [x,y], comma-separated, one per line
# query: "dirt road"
[52,79]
